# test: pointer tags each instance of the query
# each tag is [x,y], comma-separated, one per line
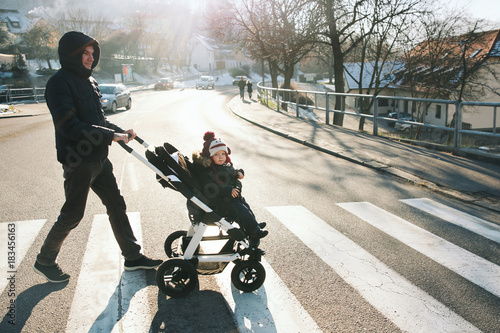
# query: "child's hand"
[235,193]
[240,175]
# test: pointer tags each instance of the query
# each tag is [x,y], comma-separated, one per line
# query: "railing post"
[278,100]
[34,94]
[457,142]
[375,116]
[296,103]
[494,119]
[327,108]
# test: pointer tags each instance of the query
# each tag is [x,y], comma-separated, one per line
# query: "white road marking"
[407,306]
[466,264]
[17,240]
[134,184]
[271,308]
[108,299]
[479,226]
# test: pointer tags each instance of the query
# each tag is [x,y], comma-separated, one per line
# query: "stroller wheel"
[176,277]
[248,275]
[173,244]
[176,243]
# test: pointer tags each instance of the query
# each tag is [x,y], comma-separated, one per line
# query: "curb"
[379,167]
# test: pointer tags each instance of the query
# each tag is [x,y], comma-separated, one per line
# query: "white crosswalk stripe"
[479,226]
[271,308]
[107,298]
[408,307]
[472,267]
[16,237]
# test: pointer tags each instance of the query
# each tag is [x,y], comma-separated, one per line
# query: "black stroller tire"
[171,243]
[248,275]
[176,277]
[174,246]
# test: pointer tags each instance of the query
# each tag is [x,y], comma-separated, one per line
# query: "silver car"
[205,82]
[115,96]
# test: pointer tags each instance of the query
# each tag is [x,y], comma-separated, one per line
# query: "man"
[241,84]
[83,136]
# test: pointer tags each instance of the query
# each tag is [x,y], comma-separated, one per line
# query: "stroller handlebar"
[128,148]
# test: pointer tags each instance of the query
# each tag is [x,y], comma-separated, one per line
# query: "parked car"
[115,96]
[163,84]
[399,115]
[205,82]
[400,126]
[404,116]
[238,78]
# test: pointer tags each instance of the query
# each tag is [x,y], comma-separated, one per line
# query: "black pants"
[246,218]
[78,180]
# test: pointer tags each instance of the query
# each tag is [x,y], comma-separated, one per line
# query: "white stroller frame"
[178,275]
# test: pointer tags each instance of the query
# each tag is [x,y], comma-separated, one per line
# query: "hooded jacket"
[82,132]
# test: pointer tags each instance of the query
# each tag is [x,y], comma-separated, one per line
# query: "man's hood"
[71,47]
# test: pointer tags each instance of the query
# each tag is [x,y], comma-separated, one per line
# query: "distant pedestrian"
[241,85]
[249,89]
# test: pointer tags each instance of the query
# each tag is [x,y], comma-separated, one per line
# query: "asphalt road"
[344,253]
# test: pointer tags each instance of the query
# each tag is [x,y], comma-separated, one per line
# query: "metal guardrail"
[13,95]
[284,96]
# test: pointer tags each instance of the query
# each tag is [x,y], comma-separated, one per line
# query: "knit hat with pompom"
[208,148]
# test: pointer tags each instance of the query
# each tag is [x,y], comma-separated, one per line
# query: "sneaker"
[142,263]
[52,273]
[259,234]
[262,225]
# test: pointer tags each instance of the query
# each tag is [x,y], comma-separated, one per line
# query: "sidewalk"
[466,179]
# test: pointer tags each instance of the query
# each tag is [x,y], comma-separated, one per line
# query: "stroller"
[178,275]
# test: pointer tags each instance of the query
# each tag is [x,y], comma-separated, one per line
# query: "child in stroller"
[221,185]
[178,275]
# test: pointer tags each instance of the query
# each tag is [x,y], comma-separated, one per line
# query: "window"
[383,102]
[438,111]
[14,22]
[473,55]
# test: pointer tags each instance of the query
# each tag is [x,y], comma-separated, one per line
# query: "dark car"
[164,84]
[115,96]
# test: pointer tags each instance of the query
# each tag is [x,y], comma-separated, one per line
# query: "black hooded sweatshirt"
[82,132]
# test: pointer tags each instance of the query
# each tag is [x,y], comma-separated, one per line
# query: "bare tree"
[451,61]
[280,32]
[346,23]
[90,22]
[41,42]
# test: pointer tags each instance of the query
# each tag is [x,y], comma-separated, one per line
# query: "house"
[433,70]
[359,78]
[15,22]
[481,118]
[203,53]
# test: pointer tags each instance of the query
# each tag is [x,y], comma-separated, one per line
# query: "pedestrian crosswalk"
[118,301]
[466,264]
[404,304]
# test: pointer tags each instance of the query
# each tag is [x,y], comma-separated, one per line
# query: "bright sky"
[482,9]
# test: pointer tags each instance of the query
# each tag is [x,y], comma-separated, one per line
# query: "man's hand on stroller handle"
[126,136]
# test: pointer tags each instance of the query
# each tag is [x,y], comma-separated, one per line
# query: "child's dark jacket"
[217,183]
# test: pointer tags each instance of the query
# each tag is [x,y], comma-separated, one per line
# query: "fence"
[387,111]
[13,95]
